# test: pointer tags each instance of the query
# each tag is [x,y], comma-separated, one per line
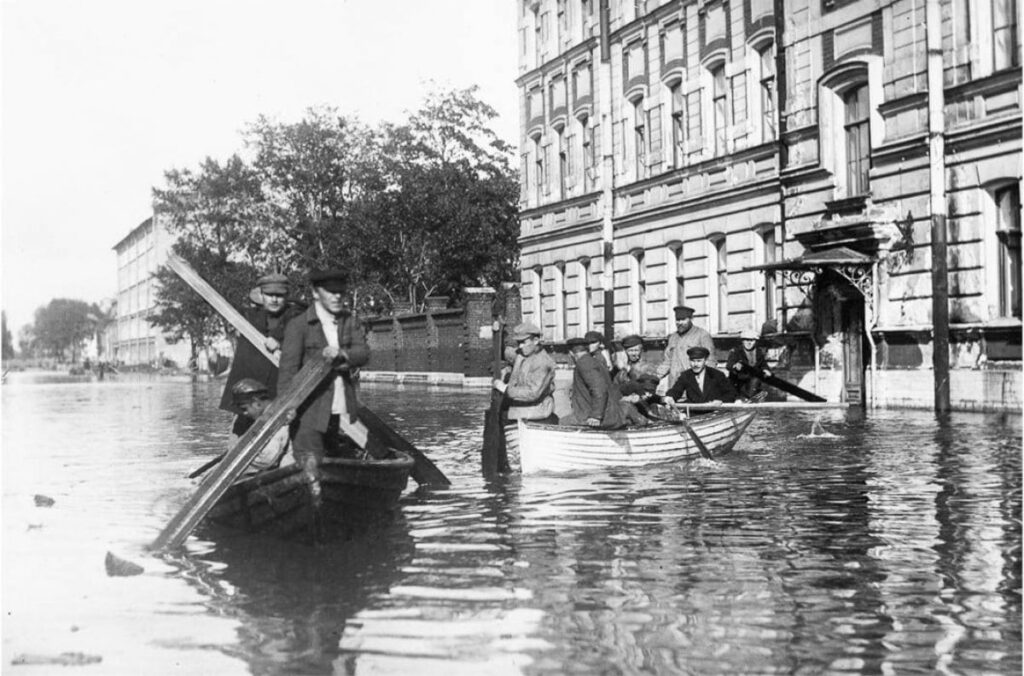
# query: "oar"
[207,466]
[781,384]
[356,430]
[249,445]
[423,470]
[493,453]
[680,420]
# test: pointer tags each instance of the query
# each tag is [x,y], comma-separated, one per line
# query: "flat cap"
[247,388]
[577,343]
[333,279]
[683,311]
[698,352]
[273,282]
[525,330]
[632,341]
[749,334]
[594,337]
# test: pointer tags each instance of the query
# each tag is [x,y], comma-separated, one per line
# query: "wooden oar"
[493,453]
[680,420]
[781,384]
[356,430]
[423,470]
[249,445]
[763,406]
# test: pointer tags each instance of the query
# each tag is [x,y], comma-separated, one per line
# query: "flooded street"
[883,544]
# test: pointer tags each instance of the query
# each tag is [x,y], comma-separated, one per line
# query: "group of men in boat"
[298,333]
[613,390]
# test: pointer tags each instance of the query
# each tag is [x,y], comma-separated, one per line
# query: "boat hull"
[554,448]
[344,496]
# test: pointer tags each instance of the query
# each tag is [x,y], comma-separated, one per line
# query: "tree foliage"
[62,327]
[8,340]
[424,207]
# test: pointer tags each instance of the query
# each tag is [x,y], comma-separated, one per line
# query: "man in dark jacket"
[269,318]
[327,328]
[702,384]
[748,354]
[595,402]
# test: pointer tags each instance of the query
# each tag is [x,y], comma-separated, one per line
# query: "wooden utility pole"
[607,173]
[937,203]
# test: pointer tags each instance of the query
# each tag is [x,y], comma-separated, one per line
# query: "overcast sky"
[100,97]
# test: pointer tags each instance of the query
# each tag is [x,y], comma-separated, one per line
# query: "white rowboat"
[555,448]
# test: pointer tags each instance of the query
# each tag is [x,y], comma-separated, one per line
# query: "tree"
[8,341]
[62,326]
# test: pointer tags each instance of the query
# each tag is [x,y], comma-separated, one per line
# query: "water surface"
[889,544]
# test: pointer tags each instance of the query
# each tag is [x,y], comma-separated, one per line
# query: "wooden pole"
[249,445]
[937,202]
[763,406]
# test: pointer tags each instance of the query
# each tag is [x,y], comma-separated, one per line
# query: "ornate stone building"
[782,161]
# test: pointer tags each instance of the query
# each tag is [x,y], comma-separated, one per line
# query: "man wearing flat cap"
[746,363]
[531,385]
[687,335]
[701,384]
[636,363]
[327,328]
[269,318]
[595,401]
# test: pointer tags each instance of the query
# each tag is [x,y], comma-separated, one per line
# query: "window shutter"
[550,168]
[654,136]
[618,145]
[524,178]
[598,158]
[571,161]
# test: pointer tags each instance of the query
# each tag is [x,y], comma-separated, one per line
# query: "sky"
[98,98]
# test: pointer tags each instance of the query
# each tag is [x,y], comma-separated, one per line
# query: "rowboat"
[545,447]
[341,497]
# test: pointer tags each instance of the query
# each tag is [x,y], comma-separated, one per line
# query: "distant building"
[765,168]
[136,341]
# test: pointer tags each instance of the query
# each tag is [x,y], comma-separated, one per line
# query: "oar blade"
[424,471]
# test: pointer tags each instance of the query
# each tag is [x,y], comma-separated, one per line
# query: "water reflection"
[891,545]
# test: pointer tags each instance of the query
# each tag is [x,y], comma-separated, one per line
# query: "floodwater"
[882,544]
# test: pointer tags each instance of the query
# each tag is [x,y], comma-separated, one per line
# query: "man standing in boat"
[702,384]
[529,392]
[686,336]
[327,328]
[595,401]
[269,317]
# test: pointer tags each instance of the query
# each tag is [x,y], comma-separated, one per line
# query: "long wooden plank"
[777,405]
[355,430]
[213,486]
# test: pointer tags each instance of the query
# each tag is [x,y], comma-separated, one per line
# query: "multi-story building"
[139,255]
[781,165]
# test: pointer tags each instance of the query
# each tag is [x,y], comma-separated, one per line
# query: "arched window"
[586,293]
[678,122]
[720,108]
[640,137]
[1007,203]
[766,61]
[638,291]
[857,133]
[722,267]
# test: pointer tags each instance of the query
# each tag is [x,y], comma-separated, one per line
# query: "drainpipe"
[870,323]
[604,77]
[937,203]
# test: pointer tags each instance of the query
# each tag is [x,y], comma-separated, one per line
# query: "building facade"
[136,341]
[782,165]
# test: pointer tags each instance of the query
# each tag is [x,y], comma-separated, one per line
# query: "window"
[633,62]
[1008,234]
[538,301]
[581,82]
[587,153]
[671,41]
[538,37]
[585,292]
[722,275]
[534,105]
[767,61]
[563,23]
[858,140]
[1004,34]
[675,291]
[770,255]
[638,274]
[563,163]
[640,138]
[558,293]
[678,123]
[557,94]
[720,108]
[538,168]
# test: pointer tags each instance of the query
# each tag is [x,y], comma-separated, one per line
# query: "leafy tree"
[8,341]
[27,341]
[62,326]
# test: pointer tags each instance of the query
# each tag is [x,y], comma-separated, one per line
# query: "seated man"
[595,402]
[744,362]
[638,397]
[252,398]
[701,384]
[636,362]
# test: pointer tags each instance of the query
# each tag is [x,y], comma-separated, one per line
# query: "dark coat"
[303,339]
[716,386]
[249,362]
[746,384]
[593,395]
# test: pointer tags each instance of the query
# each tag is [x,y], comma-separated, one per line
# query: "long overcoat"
[594,395]
[249,362]
[304,339]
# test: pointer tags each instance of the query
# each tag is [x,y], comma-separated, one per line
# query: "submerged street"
[826,542]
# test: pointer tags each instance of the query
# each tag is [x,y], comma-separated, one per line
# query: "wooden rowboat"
[554,448]
[342,497]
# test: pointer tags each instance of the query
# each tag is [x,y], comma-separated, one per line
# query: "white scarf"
[329,323]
